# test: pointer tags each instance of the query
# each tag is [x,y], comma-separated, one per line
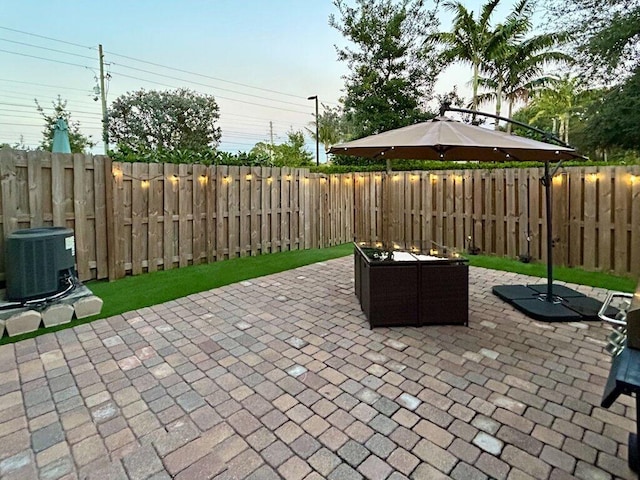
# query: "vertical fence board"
[620,211]
[489,212]
[80,215]
[524,246]
[170,187]
[458,211]
[265,215]
[439,207]
[605,212]
[511,213]
[499,212]
[198,180]
[590,208]
[634,183]
[118,220]
[575,244]
[34,172]
[234,211]
[57,190]
[9,191]
[426,211]
[211,208]
[101,220]
[155,210]
[559,197]
[468,220]
[126,205]
[417,186]
[138,215]
[477,237]
[275,208]
[535,215]
[244,180]
[254,205]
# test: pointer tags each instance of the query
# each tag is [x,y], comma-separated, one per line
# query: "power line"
[42,36]
[205,84]
[30,106]
[43,58]
[143,71]
[231,82]
[45,48]
[217,96]
[42,84]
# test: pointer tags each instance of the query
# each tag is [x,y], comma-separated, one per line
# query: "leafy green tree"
[164,120]
[471,41]
[606,34]
[291,153]
[615,119]
[331,127]
[565,98]
[391,75]
[78,142]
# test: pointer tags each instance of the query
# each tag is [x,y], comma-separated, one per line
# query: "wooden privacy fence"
[135,218]
[168,216]
[595,214]
[131,218]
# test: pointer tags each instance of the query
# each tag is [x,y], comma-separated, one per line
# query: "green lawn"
[132,293]
[571,275]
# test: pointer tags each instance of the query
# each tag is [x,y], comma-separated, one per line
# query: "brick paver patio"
[280,377]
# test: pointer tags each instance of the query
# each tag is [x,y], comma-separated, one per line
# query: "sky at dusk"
[260,59]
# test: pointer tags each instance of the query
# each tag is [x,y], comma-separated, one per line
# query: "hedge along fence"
[131,218]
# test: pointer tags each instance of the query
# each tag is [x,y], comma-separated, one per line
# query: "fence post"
[109,181]
[9,194]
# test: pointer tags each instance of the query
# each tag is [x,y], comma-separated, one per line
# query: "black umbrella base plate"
[568,305]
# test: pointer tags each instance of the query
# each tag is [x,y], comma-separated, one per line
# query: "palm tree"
[559,101]
[517,64]
[330,127]
[470,41]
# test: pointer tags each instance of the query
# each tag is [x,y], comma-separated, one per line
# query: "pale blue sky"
[283,46]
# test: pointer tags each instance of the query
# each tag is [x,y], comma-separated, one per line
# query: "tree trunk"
[566,129]
[476,68]
[510,113]
[498,104]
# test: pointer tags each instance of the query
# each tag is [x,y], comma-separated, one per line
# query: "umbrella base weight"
[567,306]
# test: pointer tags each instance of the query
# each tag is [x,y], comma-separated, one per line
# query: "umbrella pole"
[547,192]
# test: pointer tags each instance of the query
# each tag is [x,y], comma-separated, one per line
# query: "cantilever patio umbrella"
[446,139]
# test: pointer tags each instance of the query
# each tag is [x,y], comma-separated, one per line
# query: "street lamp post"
[315,97]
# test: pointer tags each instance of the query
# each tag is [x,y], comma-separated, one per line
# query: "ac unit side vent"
[36,261]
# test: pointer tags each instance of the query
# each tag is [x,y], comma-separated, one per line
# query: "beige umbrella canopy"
[446,139]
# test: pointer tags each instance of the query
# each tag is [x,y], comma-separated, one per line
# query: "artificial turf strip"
[132,293]
[565,274]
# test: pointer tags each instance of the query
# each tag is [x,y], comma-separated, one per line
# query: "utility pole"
[103,97]
[315,97]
